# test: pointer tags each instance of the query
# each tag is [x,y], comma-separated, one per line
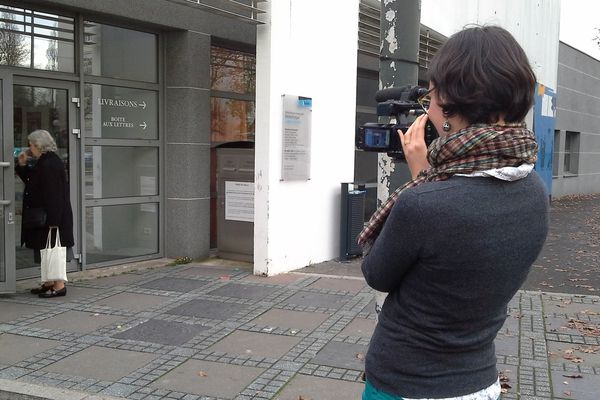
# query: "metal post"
[398,66]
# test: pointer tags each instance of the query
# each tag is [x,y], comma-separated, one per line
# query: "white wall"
[306,48]
[535,25]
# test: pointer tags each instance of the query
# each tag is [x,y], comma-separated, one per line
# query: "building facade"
[576,154]
[137,94]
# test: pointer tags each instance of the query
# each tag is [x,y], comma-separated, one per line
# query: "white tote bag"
[54,260]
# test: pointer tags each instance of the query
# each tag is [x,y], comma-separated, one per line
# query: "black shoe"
[41,289]
[53,293]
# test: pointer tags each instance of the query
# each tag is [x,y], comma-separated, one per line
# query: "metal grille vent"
[244,10]
[368,34]
[356,214]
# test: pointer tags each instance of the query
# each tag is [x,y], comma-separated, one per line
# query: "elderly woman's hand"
[22,158]
[414,147]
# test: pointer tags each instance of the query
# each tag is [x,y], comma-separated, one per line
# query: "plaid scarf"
[479,147]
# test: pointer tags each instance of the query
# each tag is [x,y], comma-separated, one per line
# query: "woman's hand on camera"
[414,147]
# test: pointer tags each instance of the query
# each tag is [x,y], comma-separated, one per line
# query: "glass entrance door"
[39,104]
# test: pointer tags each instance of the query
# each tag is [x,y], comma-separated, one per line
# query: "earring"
[446,127]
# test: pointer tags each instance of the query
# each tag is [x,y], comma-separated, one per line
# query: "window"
[114,112]
[114,52]
[231,120]
[121,231]
[34,39]
[121,142]
[556,153]
[232,71]
[120,171]
[571,153]
[233,82]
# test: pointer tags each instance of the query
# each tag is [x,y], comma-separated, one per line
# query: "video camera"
[400,103]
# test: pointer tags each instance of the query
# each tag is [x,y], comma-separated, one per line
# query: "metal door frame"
[7,191]
[74,162]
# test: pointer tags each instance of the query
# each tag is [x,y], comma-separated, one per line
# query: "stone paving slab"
[13,390]
[255,344]
[133,301]
[208,378]
[584,387]
[310,387]
[101,363]
[13,311]
[290,319]
[164,332]
[208,309]
[219,333]
[250,292]
[174,284]
[16,348]
[317,300]
[77,321]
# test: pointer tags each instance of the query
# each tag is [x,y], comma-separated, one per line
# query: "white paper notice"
[239,201]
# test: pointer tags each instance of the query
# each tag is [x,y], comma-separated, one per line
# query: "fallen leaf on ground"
[502,376]
[584,328]
[202,374]
[589,349]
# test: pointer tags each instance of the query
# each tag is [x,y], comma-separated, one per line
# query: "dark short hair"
[481,73]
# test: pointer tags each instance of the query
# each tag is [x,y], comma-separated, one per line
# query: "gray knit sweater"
[451,255]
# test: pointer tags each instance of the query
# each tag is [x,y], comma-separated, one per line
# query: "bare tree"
[13,49]
[597,37]
[52,56]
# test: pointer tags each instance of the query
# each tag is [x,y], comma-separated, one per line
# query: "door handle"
[4,164]
[4,202]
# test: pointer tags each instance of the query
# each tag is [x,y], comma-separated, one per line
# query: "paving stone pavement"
[214,332]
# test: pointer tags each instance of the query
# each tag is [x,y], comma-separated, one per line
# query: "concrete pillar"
[187,172]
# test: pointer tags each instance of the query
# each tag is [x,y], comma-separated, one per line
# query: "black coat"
[46,186]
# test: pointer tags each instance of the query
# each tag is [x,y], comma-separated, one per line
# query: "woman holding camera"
[46,193]
[453,246]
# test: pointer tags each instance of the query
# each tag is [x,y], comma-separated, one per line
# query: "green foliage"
[181,260]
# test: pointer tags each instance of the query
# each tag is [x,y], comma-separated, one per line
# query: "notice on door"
[239,201]
[295,158]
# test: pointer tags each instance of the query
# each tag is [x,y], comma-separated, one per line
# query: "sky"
[578,18]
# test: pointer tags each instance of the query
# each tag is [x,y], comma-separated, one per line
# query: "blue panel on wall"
[544,111]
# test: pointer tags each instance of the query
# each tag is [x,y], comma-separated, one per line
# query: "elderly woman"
[453,245]
[47,189]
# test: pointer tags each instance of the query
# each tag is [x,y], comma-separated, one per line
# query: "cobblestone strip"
[534,374]
[575,341]
[267,384]
[324,371]
[142,377]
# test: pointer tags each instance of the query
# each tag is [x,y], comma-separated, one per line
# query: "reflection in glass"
[113,112]
[36,40]
[117,232]
[37,108]
[54,55]
[232,71]
[112,171]
[115,52]
[231,120]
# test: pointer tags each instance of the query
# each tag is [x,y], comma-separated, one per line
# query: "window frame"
[571,153]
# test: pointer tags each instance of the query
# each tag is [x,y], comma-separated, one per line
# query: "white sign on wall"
[239,201]
[295,157]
